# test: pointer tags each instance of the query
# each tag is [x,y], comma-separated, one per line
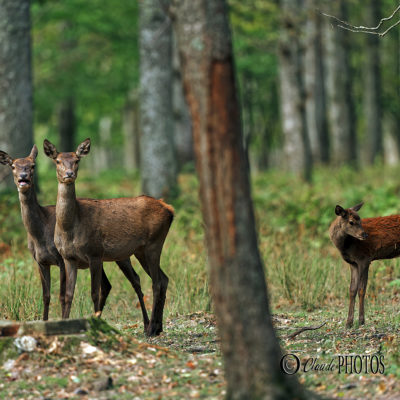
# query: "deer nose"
[69,174]
[23,175]
[365,235]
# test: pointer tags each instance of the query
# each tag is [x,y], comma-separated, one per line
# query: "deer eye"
[351,223]
[33,167]
[57,162]
[12,166]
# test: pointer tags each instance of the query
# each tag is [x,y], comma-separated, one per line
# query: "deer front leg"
[44,271]
[361,292]
[96,271]
[105,289]
[70,273]
[63,286]
[353,292]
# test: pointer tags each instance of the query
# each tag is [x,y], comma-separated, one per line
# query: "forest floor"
[185,362]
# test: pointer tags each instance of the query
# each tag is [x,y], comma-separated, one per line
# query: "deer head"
[67,164]
[351,222]
[22,168]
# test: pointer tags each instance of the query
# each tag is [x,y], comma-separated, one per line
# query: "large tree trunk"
[16,104]
[314,85]
[248,342]
[67,124]
[296,142]
[372,88]
[158,161]
[341,116]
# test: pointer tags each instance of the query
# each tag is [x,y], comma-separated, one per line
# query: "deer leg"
[44,271]
[63,284]
[70,274]
[361,292]
[160,284]
[134,279]
[105,289]
[96,272]
[353,292]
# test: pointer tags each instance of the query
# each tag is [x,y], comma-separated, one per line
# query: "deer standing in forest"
[89,232]
[360,242]
[39,223]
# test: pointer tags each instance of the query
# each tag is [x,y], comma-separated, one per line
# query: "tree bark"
[16,104]
[372,89]
[158,161]
[248,342]
[314,85]
[341,116]
[296,141]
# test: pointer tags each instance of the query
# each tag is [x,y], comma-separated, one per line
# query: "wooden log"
[47,328]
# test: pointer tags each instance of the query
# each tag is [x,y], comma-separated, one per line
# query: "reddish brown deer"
[39,223]
[360,242]
[89,231]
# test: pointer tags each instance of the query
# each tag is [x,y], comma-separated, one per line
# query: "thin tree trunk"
[182,124]
[372,89]
[67,124]
[296,142]
[16,104]
[314,85]
[341,116]
[131,133]
[248,342]
[158,161]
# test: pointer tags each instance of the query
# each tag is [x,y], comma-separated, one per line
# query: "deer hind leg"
[44,271]
[71,273]
[104,289]
[353,292]
[149,258]
[96,274]
[362,287]
[134,279]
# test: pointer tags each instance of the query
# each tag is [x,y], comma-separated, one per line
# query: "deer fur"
[90,231]
[361,241]
[39,223]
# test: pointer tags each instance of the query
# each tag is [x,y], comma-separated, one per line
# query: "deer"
[361,241]
[89,232]
[39,222]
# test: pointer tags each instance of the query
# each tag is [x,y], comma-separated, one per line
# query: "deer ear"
[83,149]
[5,159]
[357,207]
[34,152]
[49,149]
[340,211]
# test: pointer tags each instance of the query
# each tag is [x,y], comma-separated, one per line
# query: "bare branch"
[305,328]
[365,29]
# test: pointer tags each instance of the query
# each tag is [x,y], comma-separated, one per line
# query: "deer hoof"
[154,330]
[97,314]
[349,324]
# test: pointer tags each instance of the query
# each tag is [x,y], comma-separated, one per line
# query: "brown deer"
[89,231]
[360,242]
[39,223]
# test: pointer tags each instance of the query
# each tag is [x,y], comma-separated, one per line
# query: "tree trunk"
[341,115]
[67,125]
[314,85]
[372,88]
[16,105]
[248,342]
[296,142]
[130,128]
[182,124]
[158,162]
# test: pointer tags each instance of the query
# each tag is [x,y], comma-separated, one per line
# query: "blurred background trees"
[310,93]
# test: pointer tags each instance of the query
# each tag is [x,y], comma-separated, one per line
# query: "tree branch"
[365,29]
[305,328]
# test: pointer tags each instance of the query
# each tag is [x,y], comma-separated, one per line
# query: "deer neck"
[31,212]
[338,236]
[66,206]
